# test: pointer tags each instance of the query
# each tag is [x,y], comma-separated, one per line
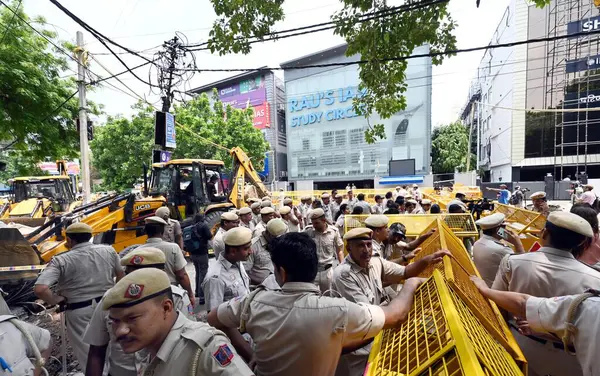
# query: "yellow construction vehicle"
[34,199]
[187,186]
[192,186]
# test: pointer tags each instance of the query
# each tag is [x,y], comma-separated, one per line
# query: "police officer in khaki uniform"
[287,216]
[330,248]
[227,279]
[245,215]
[335,205]
[295,217]
[266,203]
[98,333]
[266,214]
[229,220]
[18,342]
[82,275]
[255,213]
[540,203]
[388,242]
[426,205]
[551,271]
[326,200]
[144,317]
[572,318]
[489,250]
[259,265]
[361,279]
[297,331]
[175,261]
[173,233]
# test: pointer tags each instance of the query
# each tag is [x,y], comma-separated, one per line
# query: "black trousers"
[201,266]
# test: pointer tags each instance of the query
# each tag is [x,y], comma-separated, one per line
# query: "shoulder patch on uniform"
[223,355]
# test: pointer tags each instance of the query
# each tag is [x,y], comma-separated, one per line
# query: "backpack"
[596,205]
[190,240]
[514,199]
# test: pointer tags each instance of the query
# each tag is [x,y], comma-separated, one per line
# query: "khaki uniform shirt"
[362,285]
[224,281]
[15,349]
[259,264]
[218,245]
[487,255]
[328,213]
[351,203]
[549,316]
[327,243]
[256,219]
[172,231]
[378,249]
[545,210]
[85,272]
[180,350]
[259,229]
[99,333]
[249,225]
[297,332]
[546,273]
[292,227]
[174,257]
[335,208]
[395,251]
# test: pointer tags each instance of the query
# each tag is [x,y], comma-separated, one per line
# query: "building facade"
[519,94]
[326,143]
[263,92]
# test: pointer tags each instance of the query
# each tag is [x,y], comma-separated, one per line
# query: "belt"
[78,305]
[556,345]
[322,268]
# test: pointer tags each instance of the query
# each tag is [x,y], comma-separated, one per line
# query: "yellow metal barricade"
[462,225]
[442,336]
[522,220]
[471,337]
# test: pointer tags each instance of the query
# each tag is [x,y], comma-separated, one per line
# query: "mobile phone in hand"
[502,233]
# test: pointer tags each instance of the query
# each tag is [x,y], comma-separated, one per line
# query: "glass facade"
[326,138]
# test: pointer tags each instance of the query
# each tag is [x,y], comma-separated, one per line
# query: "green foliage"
[449,147]
[30,91]
[122,146]
[19,164]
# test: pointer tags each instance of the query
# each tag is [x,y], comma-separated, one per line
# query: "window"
[340,138]
[307,162]
[328,139]
[357,136]
[305,144]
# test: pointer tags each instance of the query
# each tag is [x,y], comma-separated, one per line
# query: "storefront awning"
[397,180]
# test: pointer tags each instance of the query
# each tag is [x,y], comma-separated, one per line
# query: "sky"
[141,25]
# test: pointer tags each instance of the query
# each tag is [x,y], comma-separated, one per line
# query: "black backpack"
[596,205]
[190,240]
[514,199]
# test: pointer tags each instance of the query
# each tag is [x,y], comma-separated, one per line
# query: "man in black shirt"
[199,253]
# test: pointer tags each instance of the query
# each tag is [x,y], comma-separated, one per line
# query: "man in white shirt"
[588,195]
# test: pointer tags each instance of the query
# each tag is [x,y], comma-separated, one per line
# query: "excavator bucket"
[27,221]
[16,251]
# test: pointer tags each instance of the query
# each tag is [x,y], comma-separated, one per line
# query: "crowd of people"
[284,299]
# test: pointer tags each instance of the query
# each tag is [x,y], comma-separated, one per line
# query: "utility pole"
[83,137]
[172,52]
[470,138]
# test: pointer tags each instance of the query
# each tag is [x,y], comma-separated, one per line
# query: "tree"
[379,33]
[19,164]
[122,145]
[450,146]
[32,120]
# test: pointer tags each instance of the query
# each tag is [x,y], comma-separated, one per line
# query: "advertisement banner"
[50,167]
[592,62]
[584,26]
[262,116]
[229,91]
[245,100]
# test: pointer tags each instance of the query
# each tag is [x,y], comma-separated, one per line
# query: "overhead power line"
[401,58]
[8,25]
[309,29]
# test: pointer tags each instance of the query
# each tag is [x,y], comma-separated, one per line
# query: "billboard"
[249,94]
[584,26]
[592,62]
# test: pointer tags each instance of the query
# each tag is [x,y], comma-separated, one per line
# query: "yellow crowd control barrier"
[442,336]
[522,220]
[462,225]
[452,329]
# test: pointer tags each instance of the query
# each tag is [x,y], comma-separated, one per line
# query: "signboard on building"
[249,94]
[164,130]
[584,26]
[582,100]
[592,62]
[262,116]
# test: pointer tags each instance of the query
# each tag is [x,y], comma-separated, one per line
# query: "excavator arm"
[243,172]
